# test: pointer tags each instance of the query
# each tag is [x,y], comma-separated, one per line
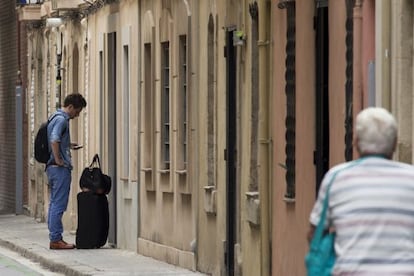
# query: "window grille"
[165,104]
[254,13]
[290,90]
[183,99]
[349,80]
[148,103]
[125,111]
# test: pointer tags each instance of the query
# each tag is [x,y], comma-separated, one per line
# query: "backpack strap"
[63,131]
[53,116]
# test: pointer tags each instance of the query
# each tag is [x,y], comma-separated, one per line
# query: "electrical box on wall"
[253,207]
[210,204]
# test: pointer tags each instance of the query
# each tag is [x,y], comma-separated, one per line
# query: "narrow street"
[215,120]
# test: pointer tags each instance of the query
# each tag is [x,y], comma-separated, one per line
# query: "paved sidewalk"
[30,238]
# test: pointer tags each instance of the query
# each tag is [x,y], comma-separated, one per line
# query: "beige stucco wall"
[210,226]
[166,202]
[252,241]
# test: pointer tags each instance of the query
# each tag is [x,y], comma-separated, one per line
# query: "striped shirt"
[371,208]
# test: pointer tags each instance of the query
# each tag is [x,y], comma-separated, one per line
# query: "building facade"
[174,90]
[215,119]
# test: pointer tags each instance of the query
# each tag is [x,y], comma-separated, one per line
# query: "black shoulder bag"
[93,179]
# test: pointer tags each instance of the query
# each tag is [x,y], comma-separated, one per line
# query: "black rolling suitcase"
[93,220]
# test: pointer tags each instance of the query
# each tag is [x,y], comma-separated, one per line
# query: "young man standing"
[59,166]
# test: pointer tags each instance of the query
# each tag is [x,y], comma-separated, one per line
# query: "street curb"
[44,262]
[29,239]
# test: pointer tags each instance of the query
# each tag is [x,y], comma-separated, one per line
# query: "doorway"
[231,145]
[321,154]
[111,134]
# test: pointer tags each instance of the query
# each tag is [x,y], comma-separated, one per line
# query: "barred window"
[148,111]
[182,109]
[165,104]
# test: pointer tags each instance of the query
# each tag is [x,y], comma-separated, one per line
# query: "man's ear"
[355,142]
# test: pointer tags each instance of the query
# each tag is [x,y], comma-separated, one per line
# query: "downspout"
[19,130]
[263,138]
[193,131]
[140,114]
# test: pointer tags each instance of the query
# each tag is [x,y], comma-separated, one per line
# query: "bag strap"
[48,121]
[320,227]
[53,116]
[96,161]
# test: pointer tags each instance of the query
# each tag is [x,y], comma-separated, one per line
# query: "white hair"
[376,131]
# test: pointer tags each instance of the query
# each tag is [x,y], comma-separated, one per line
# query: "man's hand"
[56,154]
[75,146]
[59,162]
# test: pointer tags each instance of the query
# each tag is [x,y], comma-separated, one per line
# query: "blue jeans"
[59,182]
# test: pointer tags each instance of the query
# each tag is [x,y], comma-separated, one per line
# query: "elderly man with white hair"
[370,203]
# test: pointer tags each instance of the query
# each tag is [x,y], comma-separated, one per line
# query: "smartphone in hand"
[76,147]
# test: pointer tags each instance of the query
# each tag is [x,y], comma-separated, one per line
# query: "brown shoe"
[61,245]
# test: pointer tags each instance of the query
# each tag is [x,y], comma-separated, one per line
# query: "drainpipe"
[193,130]
[140,115]
[19,131]
[264,138]
[19,143]
[382,53]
